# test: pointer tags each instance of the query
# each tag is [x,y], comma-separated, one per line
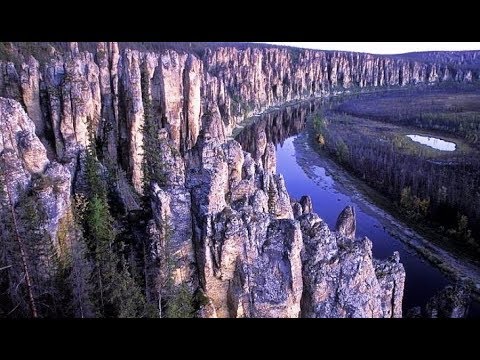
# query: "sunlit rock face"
[106,91]
[25,165]
[256,259]
[341,279]
[17,133]
[238,237]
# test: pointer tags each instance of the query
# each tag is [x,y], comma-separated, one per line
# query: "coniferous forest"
[368,135]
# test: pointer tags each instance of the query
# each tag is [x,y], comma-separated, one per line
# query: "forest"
[14,51]
[367,134]
[452,109]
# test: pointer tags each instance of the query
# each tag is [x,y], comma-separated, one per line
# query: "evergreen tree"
[42,255]
[180,305]
[33,280]
[17,284]
[176,299]
[79,269]
[78,279]
[153,170]
[117,292]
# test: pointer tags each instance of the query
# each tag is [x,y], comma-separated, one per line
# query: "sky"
[385,47]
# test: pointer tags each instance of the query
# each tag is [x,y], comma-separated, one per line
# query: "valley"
[212,180]
[434,189]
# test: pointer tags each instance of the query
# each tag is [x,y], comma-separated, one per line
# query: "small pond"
[435,143]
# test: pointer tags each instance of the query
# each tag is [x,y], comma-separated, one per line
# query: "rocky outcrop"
[53,191]
[30,85]
[346,222]
[306,204]
[248,259]
[170,230]
[391,278]
[256,260]
[251,265]
[107,91]
[172,219]
[453,301]
[25,165]
[342,280]
[22,152]
[257,78]
[71,100]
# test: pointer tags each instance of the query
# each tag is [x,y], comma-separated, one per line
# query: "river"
[306,172]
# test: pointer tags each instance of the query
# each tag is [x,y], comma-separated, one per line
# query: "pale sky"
[385,47]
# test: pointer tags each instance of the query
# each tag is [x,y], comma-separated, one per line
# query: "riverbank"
[453,265]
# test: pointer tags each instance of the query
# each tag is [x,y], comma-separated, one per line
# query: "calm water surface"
[435,143]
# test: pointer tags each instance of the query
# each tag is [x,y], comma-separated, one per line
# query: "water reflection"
[275,127]
[435,143]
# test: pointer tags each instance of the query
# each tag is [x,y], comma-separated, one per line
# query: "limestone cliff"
[24,165]
[107,90]
[252,257]
[235,234]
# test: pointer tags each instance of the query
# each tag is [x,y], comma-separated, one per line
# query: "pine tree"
[79,269]
[180,305]
[18,284]
[78,279]
[164,276]
[117,292]
[153,169]
[177,299]
[41,254]
[10,262]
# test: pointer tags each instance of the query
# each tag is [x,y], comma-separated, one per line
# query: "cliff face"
[237,236]
[107,90]
[255,252]
[24,164]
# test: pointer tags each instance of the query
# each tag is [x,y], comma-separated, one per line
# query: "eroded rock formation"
[453,301]
[346,222]
[236,236]
[341,279]
[24,164]
[107,90]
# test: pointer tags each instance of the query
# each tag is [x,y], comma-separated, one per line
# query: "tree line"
[446,108]
[443,192]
